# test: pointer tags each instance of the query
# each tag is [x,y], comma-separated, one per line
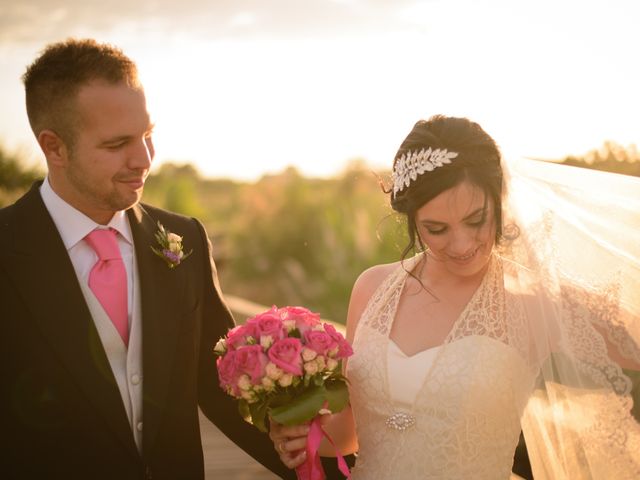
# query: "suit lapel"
[160,291]
[42,270]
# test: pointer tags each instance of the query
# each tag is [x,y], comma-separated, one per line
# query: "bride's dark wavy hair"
[478,161]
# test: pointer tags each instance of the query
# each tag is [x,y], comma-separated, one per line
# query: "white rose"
[268,384]
[332,363]
[320,362]
[273,372]
[308,354]
[266,341]
[249,396]
[311,368]
[289,325]
[221,346]
[173,238]
[244,382]
[285,380]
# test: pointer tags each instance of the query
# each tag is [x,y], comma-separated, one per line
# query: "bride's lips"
[464,259]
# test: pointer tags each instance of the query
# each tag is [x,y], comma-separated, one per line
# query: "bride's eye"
[436,231]
[477,223]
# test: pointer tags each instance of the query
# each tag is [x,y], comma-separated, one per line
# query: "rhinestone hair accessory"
[412,164]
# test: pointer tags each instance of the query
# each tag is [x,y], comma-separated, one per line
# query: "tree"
[611,157]
[15,178]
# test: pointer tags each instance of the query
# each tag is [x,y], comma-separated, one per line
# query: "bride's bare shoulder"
[372,278]
[363,289]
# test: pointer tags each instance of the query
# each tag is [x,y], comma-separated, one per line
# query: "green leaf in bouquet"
[337,395]
[243,408]
[301,409]
[258,413]
[281,398]
[339,377]
[295,333]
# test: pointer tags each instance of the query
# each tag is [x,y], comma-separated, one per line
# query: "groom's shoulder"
[154,211]
[9,212]
[6,214]
[15,216]
[172,221]
[26,204]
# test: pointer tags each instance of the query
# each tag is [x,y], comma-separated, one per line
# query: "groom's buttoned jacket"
[62,413]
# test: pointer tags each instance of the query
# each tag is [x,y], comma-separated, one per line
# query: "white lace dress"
[458,415]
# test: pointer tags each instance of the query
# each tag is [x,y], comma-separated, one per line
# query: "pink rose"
[237,336]
[228,372]
[344,349]
[285,353]
[319,341]
[252,361]
[268,324]
[305,319]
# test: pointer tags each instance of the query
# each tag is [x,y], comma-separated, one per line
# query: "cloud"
[44,20]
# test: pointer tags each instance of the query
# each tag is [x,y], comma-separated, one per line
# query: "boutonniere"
[171,249]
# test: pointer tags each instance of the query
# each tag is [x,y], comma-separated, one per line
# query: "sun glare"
[544,86]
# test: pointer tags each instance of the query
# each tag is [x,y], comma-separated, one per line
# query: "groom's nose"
[141,155]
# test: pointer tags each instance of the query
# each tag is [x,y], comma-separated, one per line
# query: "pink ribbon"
[311,469]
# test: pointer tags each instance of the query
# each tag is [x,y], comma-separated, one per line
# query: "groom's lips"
[135,183]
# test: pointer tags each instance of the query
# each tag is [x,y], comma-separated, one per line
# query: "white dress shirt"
[126,362]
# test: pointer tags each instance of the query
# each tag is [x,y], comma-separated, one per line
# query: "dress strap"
[382,305]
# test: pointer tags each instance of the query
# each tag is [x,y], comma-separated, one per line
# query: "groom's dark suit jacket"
[61,414]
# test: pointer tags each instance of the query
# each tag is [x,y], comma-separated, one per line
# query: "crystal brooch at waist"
[400,421]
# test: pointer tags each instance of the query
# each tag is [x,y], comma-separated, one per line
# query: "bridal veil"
[572,256]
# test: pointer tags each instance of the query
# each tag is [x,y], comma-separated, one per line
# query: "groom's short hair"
[53,80]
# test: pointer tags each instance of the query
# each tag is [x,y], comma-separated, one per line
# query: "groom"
[106,347]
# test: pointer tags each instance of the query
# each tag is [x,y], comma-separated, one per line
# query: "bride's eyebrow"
[481,210]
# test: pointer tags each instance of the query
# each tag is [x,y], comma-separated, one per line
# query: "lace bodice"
[465,420]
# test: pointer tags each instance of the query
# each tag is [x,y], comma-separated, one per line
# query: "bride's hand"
[289,442]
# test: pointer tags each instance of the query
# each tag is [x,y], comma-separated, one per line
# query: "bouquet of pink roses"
[287,364]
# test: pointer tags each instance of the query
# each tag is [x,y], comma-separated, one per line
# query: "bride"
[520,311]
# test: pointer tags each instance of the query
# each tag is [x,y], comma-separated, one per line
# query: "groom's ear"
[54,148]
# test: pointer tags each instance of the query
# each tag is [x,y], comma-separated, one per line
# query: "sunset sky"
[242,88]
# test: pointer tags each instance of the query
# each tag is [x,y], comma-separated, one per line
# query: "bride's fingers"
[289,442]
[293,445]
[277,430]
[293,459]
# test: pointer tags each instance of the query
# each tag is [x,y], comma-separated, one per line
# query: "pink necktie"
[108,279]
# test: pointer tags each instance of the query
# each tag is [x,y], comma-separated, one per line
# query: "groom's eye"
[115,146]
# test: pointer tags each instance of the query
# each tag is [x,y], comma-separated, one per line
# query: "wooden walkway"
[224,460]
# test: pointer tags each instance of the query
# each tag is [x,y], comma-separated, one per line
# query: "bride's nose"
[461,244]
